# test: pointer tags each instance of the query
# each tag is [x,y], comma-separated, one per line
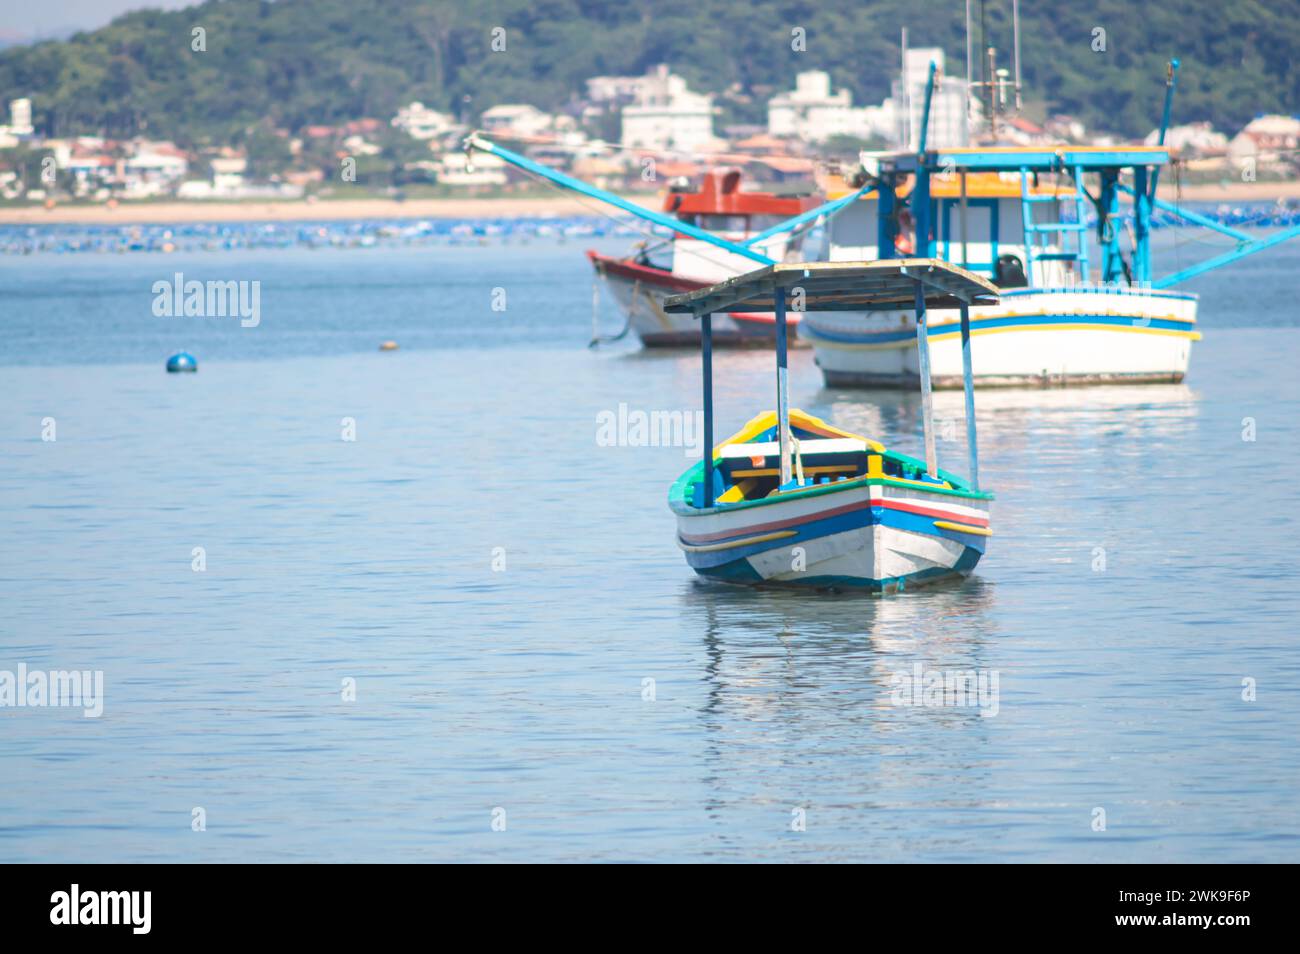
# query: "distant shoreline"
[163,213]
[461,208]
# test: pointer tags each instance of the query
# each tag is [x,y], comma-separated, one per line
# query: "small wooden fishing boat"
[791,499]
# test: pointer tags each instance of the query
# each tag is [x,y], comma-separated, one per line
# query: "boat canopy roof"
[885,285]
[1013,158]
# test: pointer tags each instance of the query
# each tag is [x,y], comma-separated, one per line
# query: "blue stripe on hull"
[885,337]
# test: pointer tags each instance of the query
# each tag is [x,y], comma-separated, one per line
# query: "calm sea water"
[500,588]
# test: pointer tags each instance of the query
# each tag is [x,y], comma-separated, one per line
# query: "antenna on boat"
[907,89]
[1015,45]
[984,66]
[970,66]
[995,82]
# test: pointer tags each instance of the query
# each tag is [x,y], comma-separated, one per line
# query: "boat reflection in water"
[799,713]
[1008,417]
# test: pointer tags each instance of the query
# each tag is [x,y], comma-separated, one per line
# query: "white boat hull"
[639,291]
[882,538]
[1034,337]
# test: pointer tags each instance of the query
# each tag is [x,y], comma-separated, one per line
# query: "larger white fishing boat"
[1018,216]
[1044,224]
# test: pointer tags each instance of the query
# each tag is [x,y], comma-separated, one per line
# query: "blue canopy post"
[968,382]
[1141,225]
[1112,265]
[921,245]
[782,385]
[706,340]
[927,401]
[886,225]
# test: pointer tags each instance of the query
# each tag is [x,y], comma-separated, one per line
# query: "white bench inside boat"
[752,469]
[826,445]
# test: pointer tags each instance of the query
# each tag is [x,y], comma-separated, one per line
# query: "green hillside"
[298,62]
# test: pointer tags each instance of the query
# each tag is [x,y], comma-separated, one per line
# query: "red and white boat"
[640,281]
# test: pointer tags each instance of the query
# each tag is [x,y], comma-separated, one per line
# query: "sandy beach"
[463,208]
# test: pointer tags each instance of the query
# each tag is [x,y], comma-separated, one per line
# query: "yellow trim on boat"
[712,547]
[798,418]
[1128,329]
[773,472]
[963,528]
[986,315]
[927,484]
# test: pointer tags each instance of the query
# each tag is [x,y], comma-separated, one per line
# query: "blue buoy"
[182,361]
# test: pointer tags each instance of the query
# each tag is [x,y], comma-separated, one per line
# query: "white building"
[420,122]
[813,113]
[154,169]
[667,116]
[229,182]
[20,123]
[1192,139]
[949,124]
[519,119]
[616,90]
[1266,140]
[228,173]
[481,170]
[20,117]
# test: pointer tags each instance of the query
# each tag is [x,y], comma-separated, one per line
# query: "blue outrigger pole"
[828,209]
[1202,220]
[1249,244]
[577,185]
[1227,258]
[743,248]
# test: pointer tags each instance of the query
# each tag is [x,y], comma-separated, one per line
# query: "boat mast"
[968,385]
[925,112]
[970,66]
[1015,45]
[1171,80]
[706,340]
[907,90]
[927,400]
[782,386]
